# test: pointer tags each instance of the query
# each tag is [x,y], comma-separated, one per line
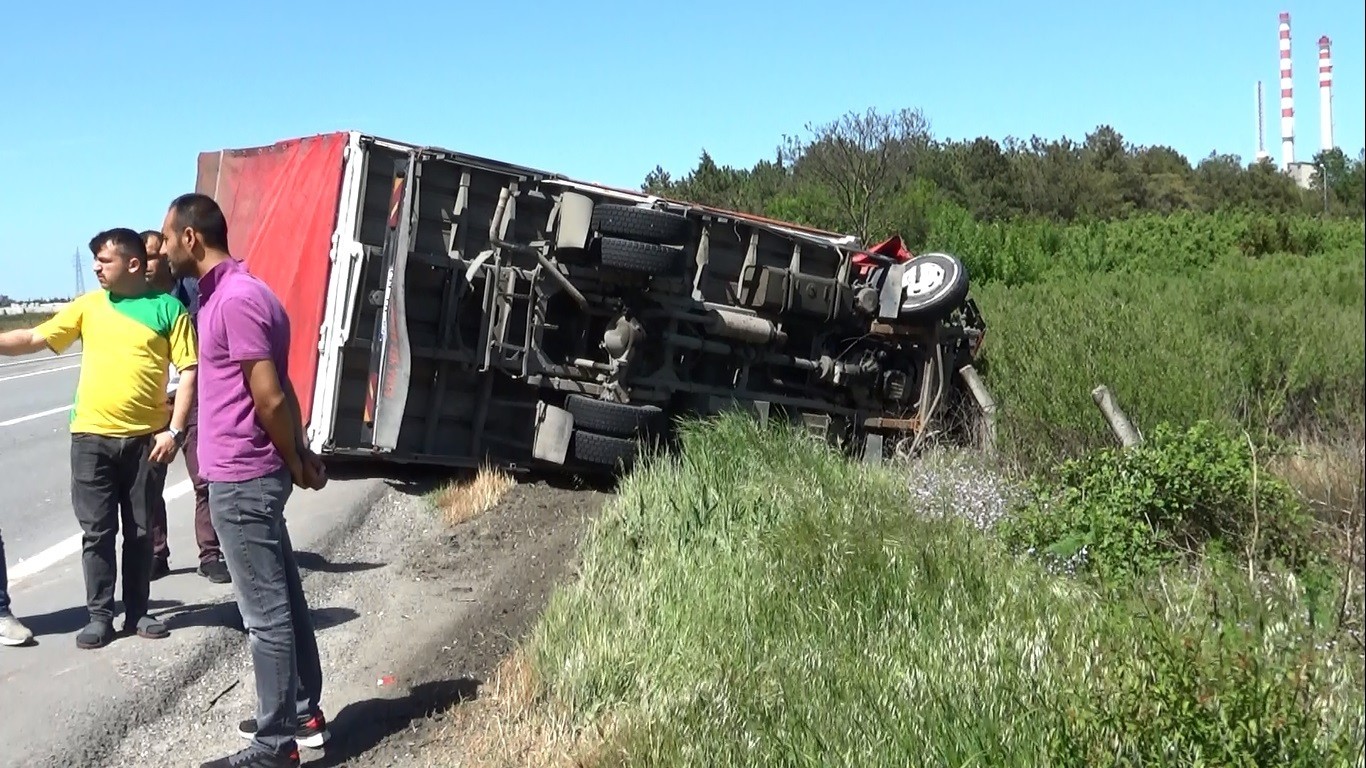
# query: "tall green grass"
[1274,345]
[759,600]
[1027,251]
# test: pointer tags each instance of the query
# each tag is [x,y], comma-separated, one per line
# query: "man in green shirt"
[130,333]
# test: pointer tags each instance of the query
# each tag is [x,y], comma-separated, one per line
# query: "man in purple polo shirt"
[252,453]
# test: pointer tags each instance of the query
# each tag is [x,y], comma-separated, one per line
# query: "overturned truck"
[450,309]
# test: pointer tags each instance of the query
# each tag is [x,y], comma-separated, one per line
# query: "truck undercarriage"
[480,312]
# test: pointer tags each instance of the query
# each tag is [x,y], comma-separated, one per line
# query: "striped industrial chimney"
[1325,93]
[1287,97]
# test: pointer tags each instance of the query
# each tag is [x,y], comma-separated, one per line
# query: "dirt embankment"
[414,613]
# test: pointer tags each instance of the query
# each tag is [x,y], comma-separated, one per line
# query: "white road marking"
[40,373]
[33,360]
[71,545]
[32,416]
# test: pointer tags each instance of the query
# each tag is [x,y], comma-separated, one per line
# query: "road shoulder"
[414,614]
[77,707]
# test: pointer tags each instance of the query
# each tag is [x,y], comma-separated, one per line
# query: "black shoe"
[215,571]
[254,758]
[161,568]
[146,627]
[96,634]
[311,733]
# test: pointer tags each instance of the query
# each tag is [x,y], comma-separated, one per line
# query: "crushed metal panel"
[392,362]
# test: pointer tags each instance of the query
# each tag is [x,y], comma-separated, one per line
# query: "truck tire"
[608,418]
[644,224]
[933,285]
[635,256]
[592,448]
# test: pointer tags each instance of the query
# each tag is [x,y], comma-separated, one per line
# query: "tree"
[873,174]
[864,159]
[657,182]
[1344,178]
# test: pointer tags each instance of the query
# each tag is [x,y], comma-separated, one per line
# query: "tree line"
[873,174]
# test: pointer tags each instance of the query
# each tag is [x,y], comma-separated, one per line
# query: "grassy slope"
[758,601]
[762,602]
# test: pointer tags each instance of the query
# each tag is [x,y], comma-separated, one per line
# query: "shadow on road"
[69,621]
[360,727]
[225,614]
[312,561]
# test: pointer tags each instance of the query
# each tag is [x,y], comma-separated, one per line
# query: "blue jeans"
[4,582]
[249,518]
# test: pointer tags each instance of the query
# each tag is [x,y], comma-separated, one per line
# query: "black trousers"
[112,487]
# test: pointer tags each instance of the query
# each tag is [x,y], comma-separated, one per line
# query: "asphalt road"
[35,495]
[66,706]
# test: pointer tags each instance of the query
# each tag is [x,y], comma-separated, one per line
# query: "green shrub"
[1220,671]
[1128,513]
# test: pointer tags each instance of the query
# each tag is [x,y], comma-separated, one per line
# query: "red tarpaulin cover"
[281,206]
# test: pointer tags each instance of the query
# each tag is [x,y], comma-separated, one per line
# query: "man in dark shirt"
[211,565]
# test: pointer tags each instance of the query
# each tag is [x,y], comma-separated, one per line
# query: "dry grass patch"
[1330,476]
[511,725]
[460,501]
[1329,473]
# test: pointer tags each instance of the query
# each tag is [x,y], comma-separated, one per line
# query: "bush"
[1224,671]
[1121,513]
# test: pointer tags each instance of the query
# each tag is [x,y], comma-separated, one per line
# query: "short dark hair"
[202,214]
[147,234]
[123,240]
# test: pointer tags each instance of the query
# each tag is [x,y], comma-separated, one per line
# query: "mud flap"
[889,300]
[554,428]
[872,449]
[575,215]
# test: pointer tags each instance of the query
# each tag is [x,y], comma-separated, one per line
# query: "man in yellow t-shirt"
[130,333]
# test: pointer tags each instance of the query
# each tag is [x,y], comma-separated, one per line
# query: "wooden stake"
[986,403]
[1120,425]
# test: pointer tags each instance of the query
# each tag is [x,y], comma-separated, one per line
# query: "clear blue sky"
[106,108]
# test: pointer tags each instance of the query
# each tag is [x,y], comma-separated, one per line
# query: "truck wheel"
[592,448]
[933,285]
[644,224]
[635,256]
[608,418]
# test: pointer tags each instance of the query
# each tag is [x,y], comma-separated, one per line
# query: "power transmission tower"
[79,264]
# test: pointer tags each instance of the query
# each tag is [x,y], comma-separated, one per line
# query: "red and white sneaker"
[312,733]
